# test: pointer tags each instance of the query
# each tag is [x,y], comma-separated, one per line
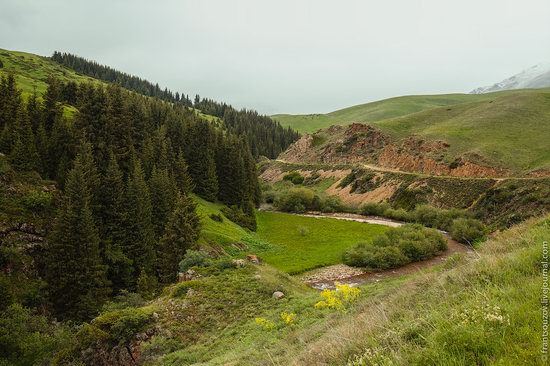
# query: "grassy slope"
[32,71]
[375,111]
[419,320]
[511,130]
[225,232]
[303,243]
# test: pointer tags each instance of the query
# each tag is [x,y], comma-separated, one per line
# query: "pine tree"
[23,155]
[163,191]
[139,233]
[112,227]
[202,163]
[181,233]
[181,175]
[74,271]
[52,109]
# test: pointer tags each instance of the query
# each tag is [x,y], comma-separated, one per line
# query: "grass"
[375,111]
[304,243]
[32,71]
[507,129]
[225,232]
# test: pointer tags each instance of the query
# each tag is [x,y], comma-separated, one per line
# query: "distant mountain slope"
[537,76]
[506,134]
[375,111]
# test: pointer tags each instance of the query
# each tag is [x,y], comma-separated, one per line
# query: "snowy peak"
[537,76]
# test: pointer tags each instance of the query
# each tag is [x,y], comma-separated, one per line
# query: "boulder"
[253,258]
[277,295]
[239,263]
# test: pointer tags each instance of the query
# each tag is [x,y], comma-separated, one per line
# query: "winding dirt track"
[325,277]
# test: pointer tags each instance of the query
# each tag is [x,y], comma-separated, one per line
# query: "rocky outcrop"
[361,143]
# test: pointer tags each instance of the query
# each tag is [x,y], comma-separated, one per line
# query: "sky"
[291,56]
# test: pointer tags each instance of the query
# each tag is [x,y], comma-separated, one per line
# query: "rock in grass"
[278,295]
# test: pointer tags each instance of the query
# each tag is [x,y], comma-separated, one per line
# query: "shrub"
[269,196]
[332,204]
[374,209]
[294,177]
[467,231]
[426,215]
[374,257]
[396,247]
[399,214]
[123,325]
[37,200]
[193,258]
[339,299]
[216,217]
[295,200]
[239,217]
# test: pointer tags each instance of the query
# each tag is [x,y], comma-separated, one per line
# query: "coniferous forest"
[264,135]
[126,166]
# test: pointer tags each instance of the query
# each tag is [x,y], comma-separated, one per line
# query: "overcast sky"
[292,56]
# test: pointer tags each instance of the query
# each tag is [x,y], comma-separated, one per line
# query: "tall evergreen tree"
[112,227]
[52,107]
[23,155]
[163,191]
[139,233]
[75,273]
[181,175]
[181,233]
[202,163]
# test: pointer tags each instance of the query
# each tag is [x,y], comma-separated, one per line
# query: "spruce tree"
[181,233]
[181,175]
[23,155]
[112,226]
[139,233]
[75,273]
[163,192]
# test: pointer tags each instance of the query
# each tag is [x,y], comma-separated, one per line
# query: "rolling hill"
[374,111]
[508,130]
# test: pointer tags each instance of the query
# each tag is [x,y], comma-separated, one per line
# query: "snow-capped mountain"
[537,76]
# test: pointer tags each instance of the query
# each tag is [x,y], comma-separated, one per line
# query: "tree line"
[126,165]
[265,136]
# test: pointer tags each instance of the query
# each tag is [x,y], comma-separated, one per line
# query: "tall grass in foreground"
[484,311]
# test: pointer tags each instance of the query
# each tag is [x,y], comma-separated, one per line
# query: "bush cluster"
[300,200]
[239,217]
[294,177]
[397,247]
[459,223]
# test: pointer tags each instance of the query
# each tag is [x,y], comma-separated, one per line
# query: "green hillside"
[375,111]
[511,129]
[32,71]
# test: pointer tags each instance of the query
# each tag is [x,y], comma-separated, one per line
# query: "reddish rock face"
[361,143]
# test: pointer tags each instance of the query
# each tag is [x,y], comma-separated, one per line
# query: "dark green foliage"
[112,227]
[28,339]
[397,247]
[294,177]
[216,217]
[264,135]
[201,159]
[23,155]
[118,326]
[193,258]
[295,200]
[241,217]
[374,209]
[163,191]
[180,234]
[467,231]
[181,175]
[139,237]
[75,272]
